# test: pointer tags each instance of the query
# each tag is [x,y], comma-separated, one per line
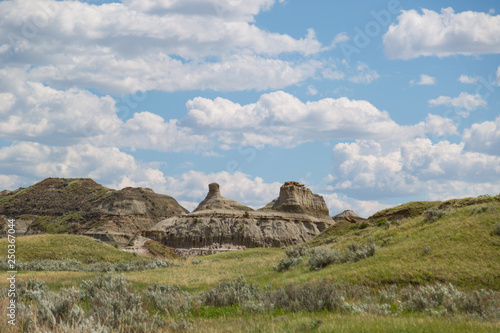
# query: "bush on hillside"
[433,214]
[287,263]
[496,229]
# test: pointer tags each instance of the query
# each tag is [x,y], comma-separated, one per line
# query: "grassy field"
[456,243]
[55,247]
[459,248]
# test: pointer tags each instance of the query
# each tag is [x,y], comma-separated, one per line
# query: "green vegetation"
[407,210]
[436,271]
[109,303]
[57,247]
[160,250]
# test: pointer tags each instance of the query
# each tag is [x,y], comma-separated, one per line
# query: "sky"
[368,103]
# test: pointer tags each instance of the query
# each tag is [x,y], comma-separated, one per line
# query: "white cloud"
[147,130]
[364,74]
[425,80]
[465,101]
[33,111]
[442,34]
[192,186]
[365,169]
[483,137]
[438,125]
[339,38]
[281,119]
[311,90]
[74,43]
[33,161]
[468,79]
[337,204]
[240,10]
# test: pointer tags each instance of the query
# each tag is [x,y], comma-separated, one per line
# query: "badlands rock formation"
[81,206]
[295,198]
[294,217]
[349,216]
[214,201]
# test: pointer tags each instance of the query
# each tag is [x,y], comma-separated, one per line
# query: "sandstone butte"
[81,206]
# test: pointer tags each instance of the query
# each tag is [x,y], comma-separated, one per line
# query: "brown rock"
[214,201]
[297,199]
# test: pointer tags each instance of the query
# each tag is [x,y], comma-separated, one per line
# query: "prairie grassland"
[454,244]
[62,246]
[329,322]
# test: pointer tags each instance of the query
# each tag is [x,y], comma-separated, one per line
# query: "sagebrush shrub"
[297,251]
[169,300]
[433,214]
[287,263]
[233,292]
[496,229]
[321,257]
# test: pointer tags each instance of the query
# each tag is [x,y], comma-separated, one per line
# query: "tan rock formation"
[208,231]
[81,206]
[297,199]
[348,215]
[295,217]
[214,201]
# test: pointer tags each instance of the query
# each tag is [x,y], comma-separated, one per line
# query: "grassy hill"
[460,247]
[457,242]
[56,247]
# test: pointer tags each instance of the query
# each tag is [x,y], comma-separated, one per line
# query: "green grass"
[459,248]
[54,247]
[328,322]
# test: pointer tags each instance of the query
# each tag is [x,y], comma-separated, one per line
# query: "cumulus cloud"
[366,168]
[442,34]
[425,80]
[337,203]
[34,111]
[364,74]
[483,137]
[127,47]
[281,119]
[229,9]
[465,102]
[468,79]
[34,161]
[192,186]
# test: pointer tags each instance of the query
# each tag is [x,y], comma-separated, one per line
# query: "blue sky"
[369,103]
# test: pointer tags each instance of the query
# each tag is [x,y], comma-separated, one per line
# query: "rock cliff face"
[348,215]
[297,199]
[81,206]
[215,201]
[295,217]
[217,231]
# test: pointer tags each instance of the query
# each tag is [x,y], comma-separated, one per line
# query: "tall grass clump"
[109,304]
[433,214]
[446,299]
[73,265]
[496,229]
[321,257]
[169,300]
[111,301]
[233,292]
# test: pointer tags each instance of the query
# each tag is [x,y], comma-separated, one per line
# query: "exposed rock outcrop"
[214,201]
[206,231]
[348,215]
[295,198]
[295,217]
[81,206]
